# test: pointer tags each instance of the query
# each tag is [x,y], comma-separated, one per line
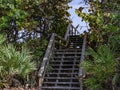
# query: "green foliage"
[2,39]
[103,20]
[16,10]
[56,16]
[103,37]
[50,16]
[14,62]
[101,69]
[3,84]
[38,48]
[18,15]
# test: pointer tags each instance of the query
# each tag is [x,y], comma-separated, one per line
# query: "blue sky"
[77,20]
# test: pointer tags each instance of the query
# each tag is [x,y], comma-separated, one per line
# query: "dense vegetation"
[103,61]
[28,23]
[13,64]
[31,22]
[34,17]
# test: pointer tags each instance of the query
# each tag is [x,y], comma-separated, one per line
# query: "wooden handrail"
[50,49]
[81,71]
[49,52]
[47,55]
[46,58]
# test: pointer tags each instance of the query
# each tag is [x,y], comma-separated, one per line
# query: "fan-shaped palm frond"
[13,62]
[101,68]
[2,39]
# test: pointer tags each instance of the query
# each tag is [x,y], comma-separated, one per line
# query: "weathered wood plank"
[81,72]
[46,57]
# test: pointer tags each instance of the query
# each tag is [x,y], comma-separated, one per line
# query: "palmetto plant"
[13,62]
[101,69]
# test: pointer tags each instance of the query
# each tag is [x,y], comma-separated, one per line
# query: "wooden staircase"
[63,66]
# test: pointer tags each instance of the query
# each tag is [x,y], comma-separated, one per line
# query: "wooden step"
[62,73]
[61,88]
[65,61]
[72,57]
[60,78]
[67,67]
[61,82]
[67,52]
[62,64]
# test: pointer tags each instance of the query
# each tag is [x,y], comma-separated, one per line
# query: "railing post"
[40,82]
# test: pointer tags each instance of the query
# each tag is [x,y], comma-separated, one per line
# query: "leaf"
[115,79]
[80,9]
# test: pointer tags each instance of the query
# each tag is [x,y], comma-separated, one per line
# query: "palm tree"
[100,69]
[13,62]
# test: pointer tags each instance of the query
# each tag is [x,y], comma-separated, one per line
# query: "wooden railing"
[49,52]
[81,69]
[46,58]
[71,31]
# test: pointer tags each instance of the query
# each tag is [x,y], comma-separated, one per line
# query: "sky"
[77,20]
